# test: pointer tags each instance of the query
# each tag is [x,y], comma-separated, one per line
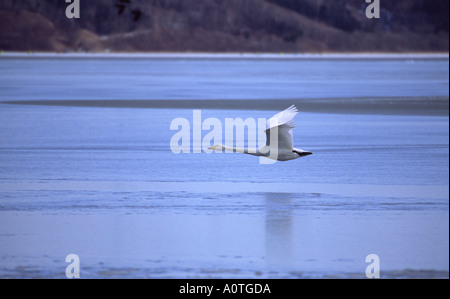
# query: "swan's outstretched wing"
[284,123]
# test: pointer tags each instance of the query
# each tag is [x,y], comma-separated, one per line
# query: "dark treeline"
[225,26]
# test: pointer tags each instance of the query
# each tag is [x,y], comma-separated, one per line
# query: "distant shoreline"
[245,56]
[426,106]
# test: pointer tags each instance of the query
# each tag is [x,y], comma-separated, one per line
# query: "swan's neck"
[254,152]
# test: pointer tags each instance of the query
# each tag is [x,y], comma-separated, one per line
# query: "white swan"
[280,148]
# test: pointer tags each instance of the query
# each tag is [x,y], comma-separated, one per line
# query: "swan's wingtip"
[293,108]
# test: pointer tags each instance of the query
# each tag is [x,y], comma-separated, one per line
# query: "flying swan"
[280,148]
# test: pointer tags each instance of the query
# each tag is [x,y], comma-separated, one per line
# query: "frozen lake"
[102,182]
[66,77]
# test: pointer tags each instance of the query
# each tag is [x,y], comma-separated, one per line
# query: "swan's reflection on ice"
[279,229]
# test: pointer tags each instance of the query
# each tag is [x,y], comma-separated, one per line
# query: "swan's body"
[281,148]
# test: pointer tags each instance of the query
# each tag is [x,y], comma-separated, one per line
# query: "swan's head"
[216,147]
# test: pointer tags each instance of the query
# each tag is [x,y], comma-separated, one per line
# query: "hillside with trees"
[225,26]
